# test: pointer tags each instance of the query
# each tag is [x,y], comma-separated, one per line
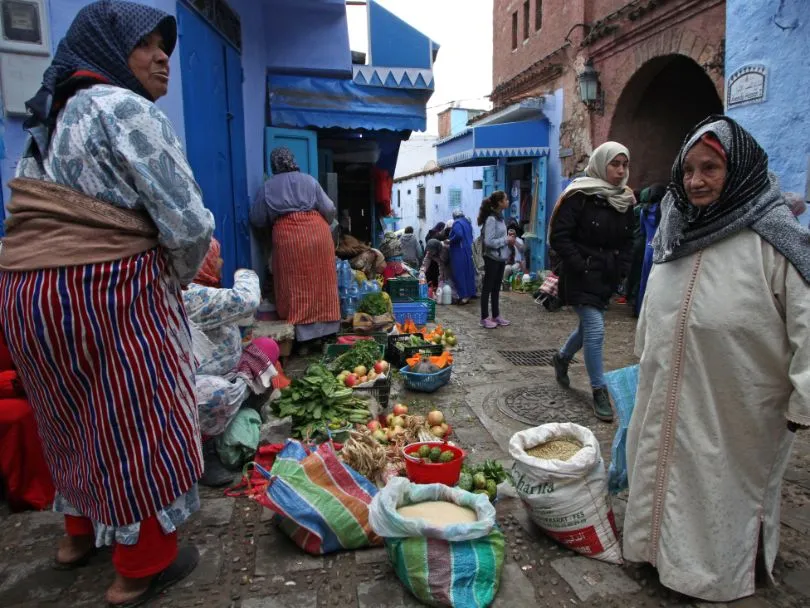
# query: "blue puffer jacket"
[495,246]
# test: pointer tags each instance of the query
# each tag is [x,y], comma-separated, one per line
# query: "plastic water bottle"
[348,276]
[353,300]
[423,291]
[373,286]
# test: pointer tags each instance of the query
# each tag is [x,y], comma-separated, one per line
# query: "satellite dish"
[431,165]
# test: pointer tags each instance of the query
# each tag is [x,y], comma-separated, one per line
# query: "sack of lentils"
[559,474]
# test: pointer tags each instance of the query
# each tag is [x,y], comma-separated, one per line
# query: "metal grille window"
[454,198]
[421,212]
[224,19]
[538,14]
[514,30]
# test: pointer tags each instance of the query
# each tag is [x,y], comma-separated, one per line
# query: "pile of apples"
[360,374]
[397,421]
[445,337]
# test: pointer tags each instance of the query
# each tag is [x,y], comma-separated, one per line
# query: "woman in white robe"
[724,341]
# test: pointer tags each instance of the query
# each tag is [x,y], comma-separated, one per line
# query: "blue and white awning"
[485,144]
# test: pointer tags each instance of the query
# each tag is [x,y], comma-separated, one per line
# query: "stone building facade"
[660,65]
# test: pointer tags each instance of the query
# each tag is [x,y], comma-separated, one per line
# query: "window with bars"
[421,203]
[454,198]
[514,30]
[538,14]
[224,19]
[526,14]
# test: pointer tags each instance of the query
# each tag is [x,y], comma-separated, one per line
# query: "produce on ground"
[483,478]
[440,335]
[374,304]
[412,340]
[364,353]
[438,513]
[402,429]
[364,454]
[556,449]
[361,375]
[420,365]
[316,401]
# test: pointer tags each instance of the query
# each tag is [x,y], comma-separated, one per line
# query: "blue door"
[215,132]
[539,187]
[302,143]
[489,181]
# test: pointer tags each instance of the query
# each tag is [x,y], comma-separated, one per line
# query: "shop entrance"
[519,191]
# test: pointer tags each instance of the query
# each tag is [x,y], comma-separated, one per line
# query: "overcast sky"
[463,28]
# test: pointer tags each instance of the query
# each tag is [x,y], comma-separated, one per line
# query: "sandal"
[187,559]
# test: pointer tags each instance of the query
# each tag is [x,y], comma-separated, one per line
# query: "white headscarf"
[595,181]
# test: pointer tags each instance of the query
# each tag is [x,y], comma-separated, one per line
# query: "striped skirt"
[304,273]
[104,353]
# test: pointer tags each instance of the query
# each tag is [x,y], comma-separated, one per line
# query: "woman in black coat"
[591,234]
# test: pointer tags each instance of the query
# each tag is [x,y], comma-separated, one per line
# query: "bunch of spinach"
[374,304]
[317,399]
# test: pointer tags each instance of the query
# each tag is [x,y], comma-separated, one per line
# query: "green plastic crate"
[402,290]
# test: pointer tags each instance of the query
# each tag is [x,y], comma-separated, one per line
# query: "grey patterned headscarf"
[282,160]
[751,198]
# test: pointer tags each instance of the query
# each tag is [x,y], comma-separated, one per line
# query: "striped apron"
[104,352]
[304,274]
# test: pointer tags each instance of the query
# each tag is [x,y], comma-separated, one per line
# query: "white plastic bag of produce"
[568,499]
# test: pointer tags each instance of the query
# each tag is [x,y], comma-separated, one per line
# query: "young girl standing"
[496,252]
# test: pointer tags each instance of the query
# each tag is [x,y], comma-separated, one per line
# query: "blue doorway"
[215,132]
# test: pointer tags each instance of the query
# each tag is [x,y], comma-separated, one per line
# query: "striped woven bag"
[321,503]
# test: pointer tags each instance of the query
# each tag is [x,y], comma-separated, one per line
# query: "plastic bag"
[622,384]
[238,443]
[567,499]
[321,502]
[458,565]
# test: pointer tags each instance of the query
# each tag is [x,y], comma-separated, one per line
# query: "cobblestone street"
[246,562]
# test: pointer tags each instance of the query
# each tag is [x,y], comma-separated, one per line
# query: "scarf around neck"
[595,183]
[751,198]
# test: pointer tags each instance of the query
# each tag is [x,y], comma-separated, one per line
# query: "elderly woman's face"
[150,64]
[704,175]
[617,169]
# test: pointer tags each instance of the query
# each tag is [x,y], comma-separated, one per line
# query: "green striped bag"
[458,565]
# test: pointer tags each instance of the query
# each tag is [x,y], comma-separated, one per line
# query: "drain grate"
[543,403]
[530,358]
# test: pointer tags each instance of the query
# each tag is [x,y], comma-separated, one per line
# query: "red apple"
[350,380]
[435,418]
[381,367]
[373,425]
[400,409]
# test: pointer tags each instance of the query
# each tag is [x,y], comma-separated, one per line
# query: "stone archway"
[658,106]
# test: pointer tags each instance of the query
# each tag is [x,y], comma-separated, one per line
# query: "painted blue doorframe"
[215,132]
[539,245]
[301,142]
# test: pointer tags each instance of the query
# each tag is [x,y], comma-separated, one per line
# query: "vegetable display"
[483,478]
[374,304]
[364,353]
[318,401]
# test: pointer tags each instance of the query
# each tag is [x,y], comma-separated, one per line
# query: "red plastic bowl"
[435,472]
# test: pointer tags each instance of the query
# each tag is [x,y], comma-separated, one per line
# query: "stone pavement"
[248,563]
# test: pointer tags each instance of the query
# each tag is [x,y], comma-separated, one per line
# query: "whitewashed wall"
[437,207]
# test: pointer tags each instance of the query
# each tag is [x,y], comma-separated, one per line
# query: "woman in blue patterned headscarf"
[95,322]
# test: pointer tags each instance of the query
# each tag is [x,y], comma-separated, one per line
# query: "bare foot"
[127,589]
[74,548]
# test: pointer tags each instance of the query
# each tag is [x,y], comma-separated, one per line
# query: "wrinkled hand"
[793,427]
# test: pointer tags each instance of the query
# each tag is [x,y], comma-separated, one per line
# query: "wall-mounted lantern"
[590,89]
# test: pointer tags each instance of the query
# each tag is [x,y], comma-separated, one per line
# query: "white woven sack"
[567,499]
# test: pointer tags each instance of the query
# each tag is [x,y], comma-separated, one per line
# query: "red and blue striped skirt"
[104,353]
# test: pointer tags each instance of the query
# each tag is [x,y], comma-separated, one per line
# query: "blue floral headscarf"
[96,49]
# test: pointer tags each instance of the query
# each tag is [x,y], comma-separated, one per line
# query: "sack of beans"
[559,474]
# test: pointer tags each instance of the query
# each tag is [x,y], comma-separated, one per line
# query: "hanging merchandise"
[383,184]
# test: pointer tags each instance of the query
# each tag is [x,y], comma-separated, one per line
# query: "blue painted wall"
[323,50]
[775,33]
[553,109]
[395,44]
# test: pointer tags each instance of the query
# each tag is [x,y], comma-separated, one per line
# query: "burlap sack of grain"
[568,499]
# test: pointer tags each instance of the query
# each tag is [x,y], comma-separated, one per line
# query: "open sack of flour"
[559,474]
[443,542]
